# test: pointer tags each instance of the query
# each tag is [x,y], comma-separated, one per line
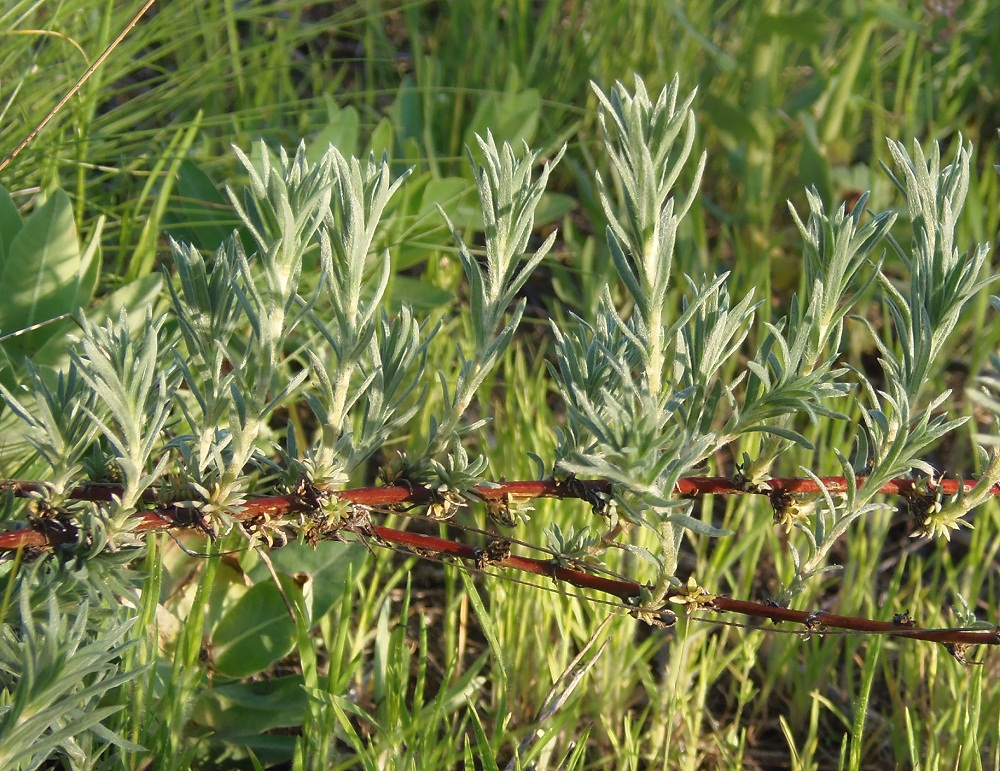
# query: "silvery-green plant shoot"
[644,398]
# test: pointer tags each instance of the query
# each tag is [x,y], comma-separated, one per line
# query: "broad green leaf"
[448,193]
[50,276]
[418,294]
[256,632]
[198,213]
[805,97]
[407,117]
[409,153]
[237,710]
[341,131]
[511,117]
[381,140]
[45,267]
[10,223]
[134,297]
[269,750]
[552,207]
[327,566]
[728,118]
[414,219]
[418,232]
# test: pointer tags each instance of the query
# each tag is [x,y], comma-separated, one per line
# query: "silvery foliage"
[113,401]
[183,401]
[647,388]
[59,426]
[901,422]
[363,375]
[644,389]
[57,666]
[625,415]
[292,304]
[508,197]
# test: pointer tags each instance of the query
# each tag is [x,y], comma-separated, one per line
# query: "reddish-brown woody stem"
[628,592]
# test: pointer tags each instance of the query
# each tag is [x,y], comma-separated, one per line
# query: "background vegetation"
[422,666]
